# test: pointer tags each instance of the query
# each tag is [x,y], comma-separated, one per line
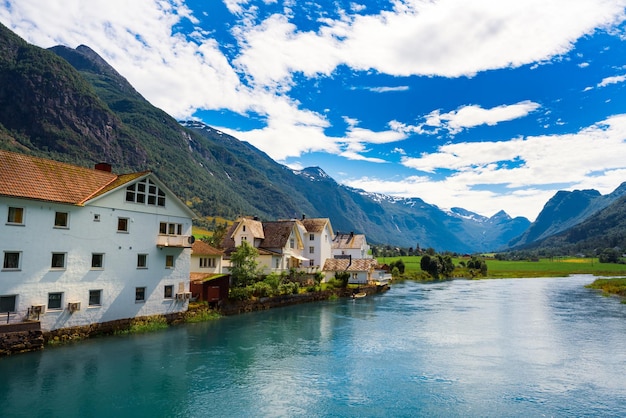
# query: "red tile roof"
[29,177]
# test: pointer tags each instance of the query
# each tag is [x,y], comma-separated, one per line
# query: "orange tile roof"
[29,177]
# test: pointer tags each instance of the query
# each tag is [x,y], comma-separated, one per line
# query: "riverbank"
[31,338]
[610,287]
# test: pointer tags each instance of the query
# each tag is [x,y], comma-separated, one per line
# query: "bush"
[262,290]
[240,293]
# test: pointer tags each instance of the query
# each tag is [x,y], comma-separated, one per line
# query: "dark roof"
[277,233]
[200,247]
[315,224]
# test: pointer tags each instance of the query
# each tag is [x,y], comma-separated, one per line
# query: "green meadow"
[545,267]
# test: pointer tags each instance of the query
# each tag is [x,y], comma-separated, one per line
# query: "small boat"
[359,295]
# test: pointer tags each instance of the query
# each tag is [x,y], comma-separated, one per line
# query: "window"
[292,243]
[169,261]
[11,260]
[58,261]
[7,303]
[95,297]
[16,216]
[96,217]
[54,300]
[142,261]
[277,263]
[170,228]
[140,294]
[97,261]
[122,224]
[61,220]
[145,192]
[244,228]
[168,292]
[206,262]
[311,250]
[311,237]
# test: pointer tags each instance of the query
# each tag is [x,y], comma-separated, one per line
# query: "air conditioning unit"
[73,307]
[180,296]
[38,309]
[187,295]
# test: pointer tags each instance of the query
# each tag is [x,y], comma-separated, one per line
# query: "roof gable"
[317,225]
[348,241]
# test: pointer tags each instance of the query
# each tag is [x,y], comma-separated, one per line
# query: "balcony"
[175,241]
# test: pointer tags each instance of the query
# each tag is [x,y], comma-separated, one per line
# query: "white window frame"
[169,265]
[56,308]
[145,261]
[19,261]
[101,266]
[53,267]
[95,292]
[15,209]
[143,291]
[60,225]
[120,219]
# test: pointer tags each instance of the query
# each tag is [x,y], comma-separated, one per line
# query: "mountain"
[603,229]
[565,210]
[71,105]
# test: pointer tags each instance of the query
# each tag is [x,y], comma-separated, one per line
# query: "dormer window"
[145,192]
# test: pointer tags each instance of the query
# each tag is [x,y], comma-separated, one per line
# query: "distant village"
[86,246]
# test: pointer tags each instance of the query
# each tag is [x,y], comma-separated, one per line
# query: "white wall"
[37,239]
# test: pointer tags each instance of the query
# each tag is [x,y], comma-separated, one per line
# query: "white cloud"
[388,89]
[478,36]
[612,80]
[473,115]
[529,170]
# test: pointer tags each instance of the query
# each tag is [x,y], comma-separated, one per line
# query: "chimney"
[103,167]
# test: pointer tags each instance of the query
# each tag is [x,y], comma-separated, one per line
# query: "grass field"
[545,267]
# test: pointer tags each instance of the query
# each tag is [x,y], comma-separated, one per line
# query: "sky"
[487,105]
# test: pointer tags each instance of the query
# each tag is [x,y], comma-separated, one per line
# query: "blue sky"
[483,104]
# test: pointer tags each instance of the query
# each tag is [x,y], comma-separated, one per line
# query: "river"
[496,348]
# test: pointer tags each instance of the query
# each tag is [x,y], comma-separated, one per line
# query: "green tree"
[244,267]
[609,255]
[343,277]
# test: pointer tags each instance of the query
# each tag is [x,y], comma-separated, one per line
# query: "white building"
[350,245]
[82,246]
[317,241]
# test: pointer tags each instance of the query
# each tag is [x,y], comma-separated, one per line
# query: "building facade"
[82,246]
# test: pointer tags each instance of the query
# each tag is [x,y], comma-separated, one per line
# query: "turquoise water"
[529,347]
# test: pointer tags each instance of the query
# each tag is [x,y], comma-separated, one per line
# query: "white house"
[362,271]
[280,243]
[317,241]
[350,245]
[82,246]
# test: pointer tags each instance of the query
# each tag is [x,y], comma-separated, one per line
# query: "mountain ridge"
[215,174]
